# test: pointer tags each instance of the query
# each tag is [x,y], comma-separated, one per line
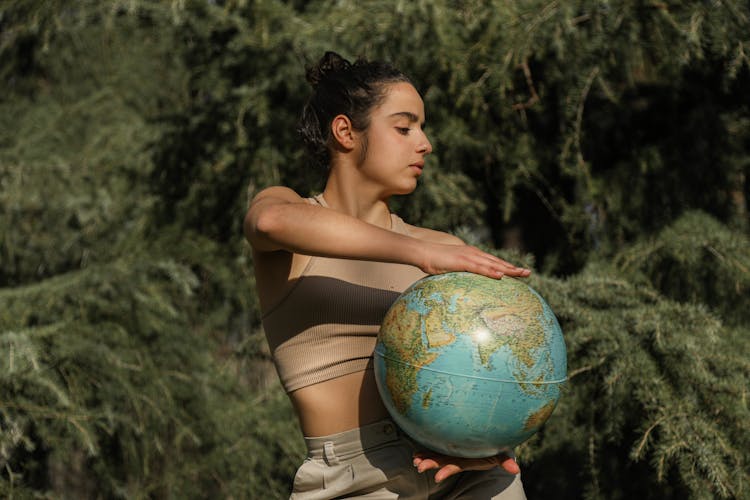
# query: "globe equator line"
[559,381]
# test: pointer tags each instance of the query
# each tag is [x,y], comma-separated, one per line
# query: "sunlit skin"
[367,168]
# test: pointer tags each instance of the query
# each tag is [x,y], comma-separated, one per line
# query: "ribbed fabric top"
[327,324]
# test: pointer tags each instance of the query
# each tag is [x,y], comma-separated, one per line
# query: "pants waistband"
[354,441]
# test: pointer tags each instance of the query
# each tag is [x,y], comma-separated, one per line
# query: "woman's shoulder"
[432,235]
[281,193]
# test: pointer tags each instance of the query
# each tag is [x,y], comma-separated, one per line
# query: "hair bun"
[330,63]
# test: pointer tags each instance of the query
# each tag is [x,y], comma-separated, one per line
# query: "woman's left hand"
[452,465]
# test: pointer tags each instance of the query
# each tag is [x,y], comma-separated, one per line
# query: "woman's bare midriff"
[339,404]
[329,407]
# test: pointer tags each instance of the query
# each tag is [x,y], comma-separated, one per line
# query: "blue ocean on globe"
[468,365]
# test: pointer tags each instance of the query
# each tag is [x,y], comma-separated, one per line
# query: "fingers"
[423,464]
[443,258]
[511,270]
[446,472]
[509,464]
[495,267]
[449,466]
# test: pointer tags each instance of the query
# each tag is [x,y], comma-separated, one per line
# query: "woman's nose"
[425,147]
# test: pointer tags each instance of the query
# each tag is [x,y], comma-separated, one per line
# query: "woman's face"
[394,146]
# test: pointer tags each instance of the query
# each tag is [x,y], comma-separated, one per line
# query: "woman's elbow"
[261,226]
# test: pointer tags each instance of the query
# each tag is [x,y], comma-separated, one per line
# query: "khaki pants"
[375,462]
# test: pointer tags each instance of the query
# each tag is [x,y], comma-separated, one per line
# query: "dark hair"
[341,87]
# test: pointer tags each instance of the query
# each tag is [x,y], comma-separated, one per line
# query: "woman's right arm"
[279,219]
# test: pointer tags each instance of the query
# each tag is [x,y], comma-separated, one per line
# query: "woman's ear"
[342,132]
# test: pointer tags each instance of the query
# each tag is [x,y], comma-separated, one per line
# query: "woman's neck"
[355,199]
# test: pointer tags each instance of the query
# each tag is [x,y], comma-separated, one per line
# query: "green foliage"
[697,260]
[132,362]
[78,360]
[74,161]
[234,131]
[118,376]
[656,403]
[106,370]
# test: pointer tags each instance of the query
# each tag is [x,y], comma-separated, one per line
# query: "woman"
[327,269]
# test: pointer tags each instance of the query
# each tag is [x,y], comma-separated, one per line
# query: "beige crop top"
[327,324]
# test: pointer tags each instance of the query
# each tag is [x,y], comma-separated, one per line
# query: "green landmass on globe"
[468,365]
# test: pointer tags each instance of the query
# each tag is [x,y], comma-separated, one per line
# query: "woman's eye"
[403,130]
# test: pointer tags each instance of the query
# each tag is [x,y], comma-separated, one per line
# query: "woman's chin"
[408,188]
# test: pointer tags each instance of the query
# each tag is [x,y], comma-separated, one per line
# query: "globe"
[470,366]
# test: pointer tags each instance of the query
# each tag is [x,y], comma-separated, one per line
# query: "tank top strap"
[398,225]
[317,200]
